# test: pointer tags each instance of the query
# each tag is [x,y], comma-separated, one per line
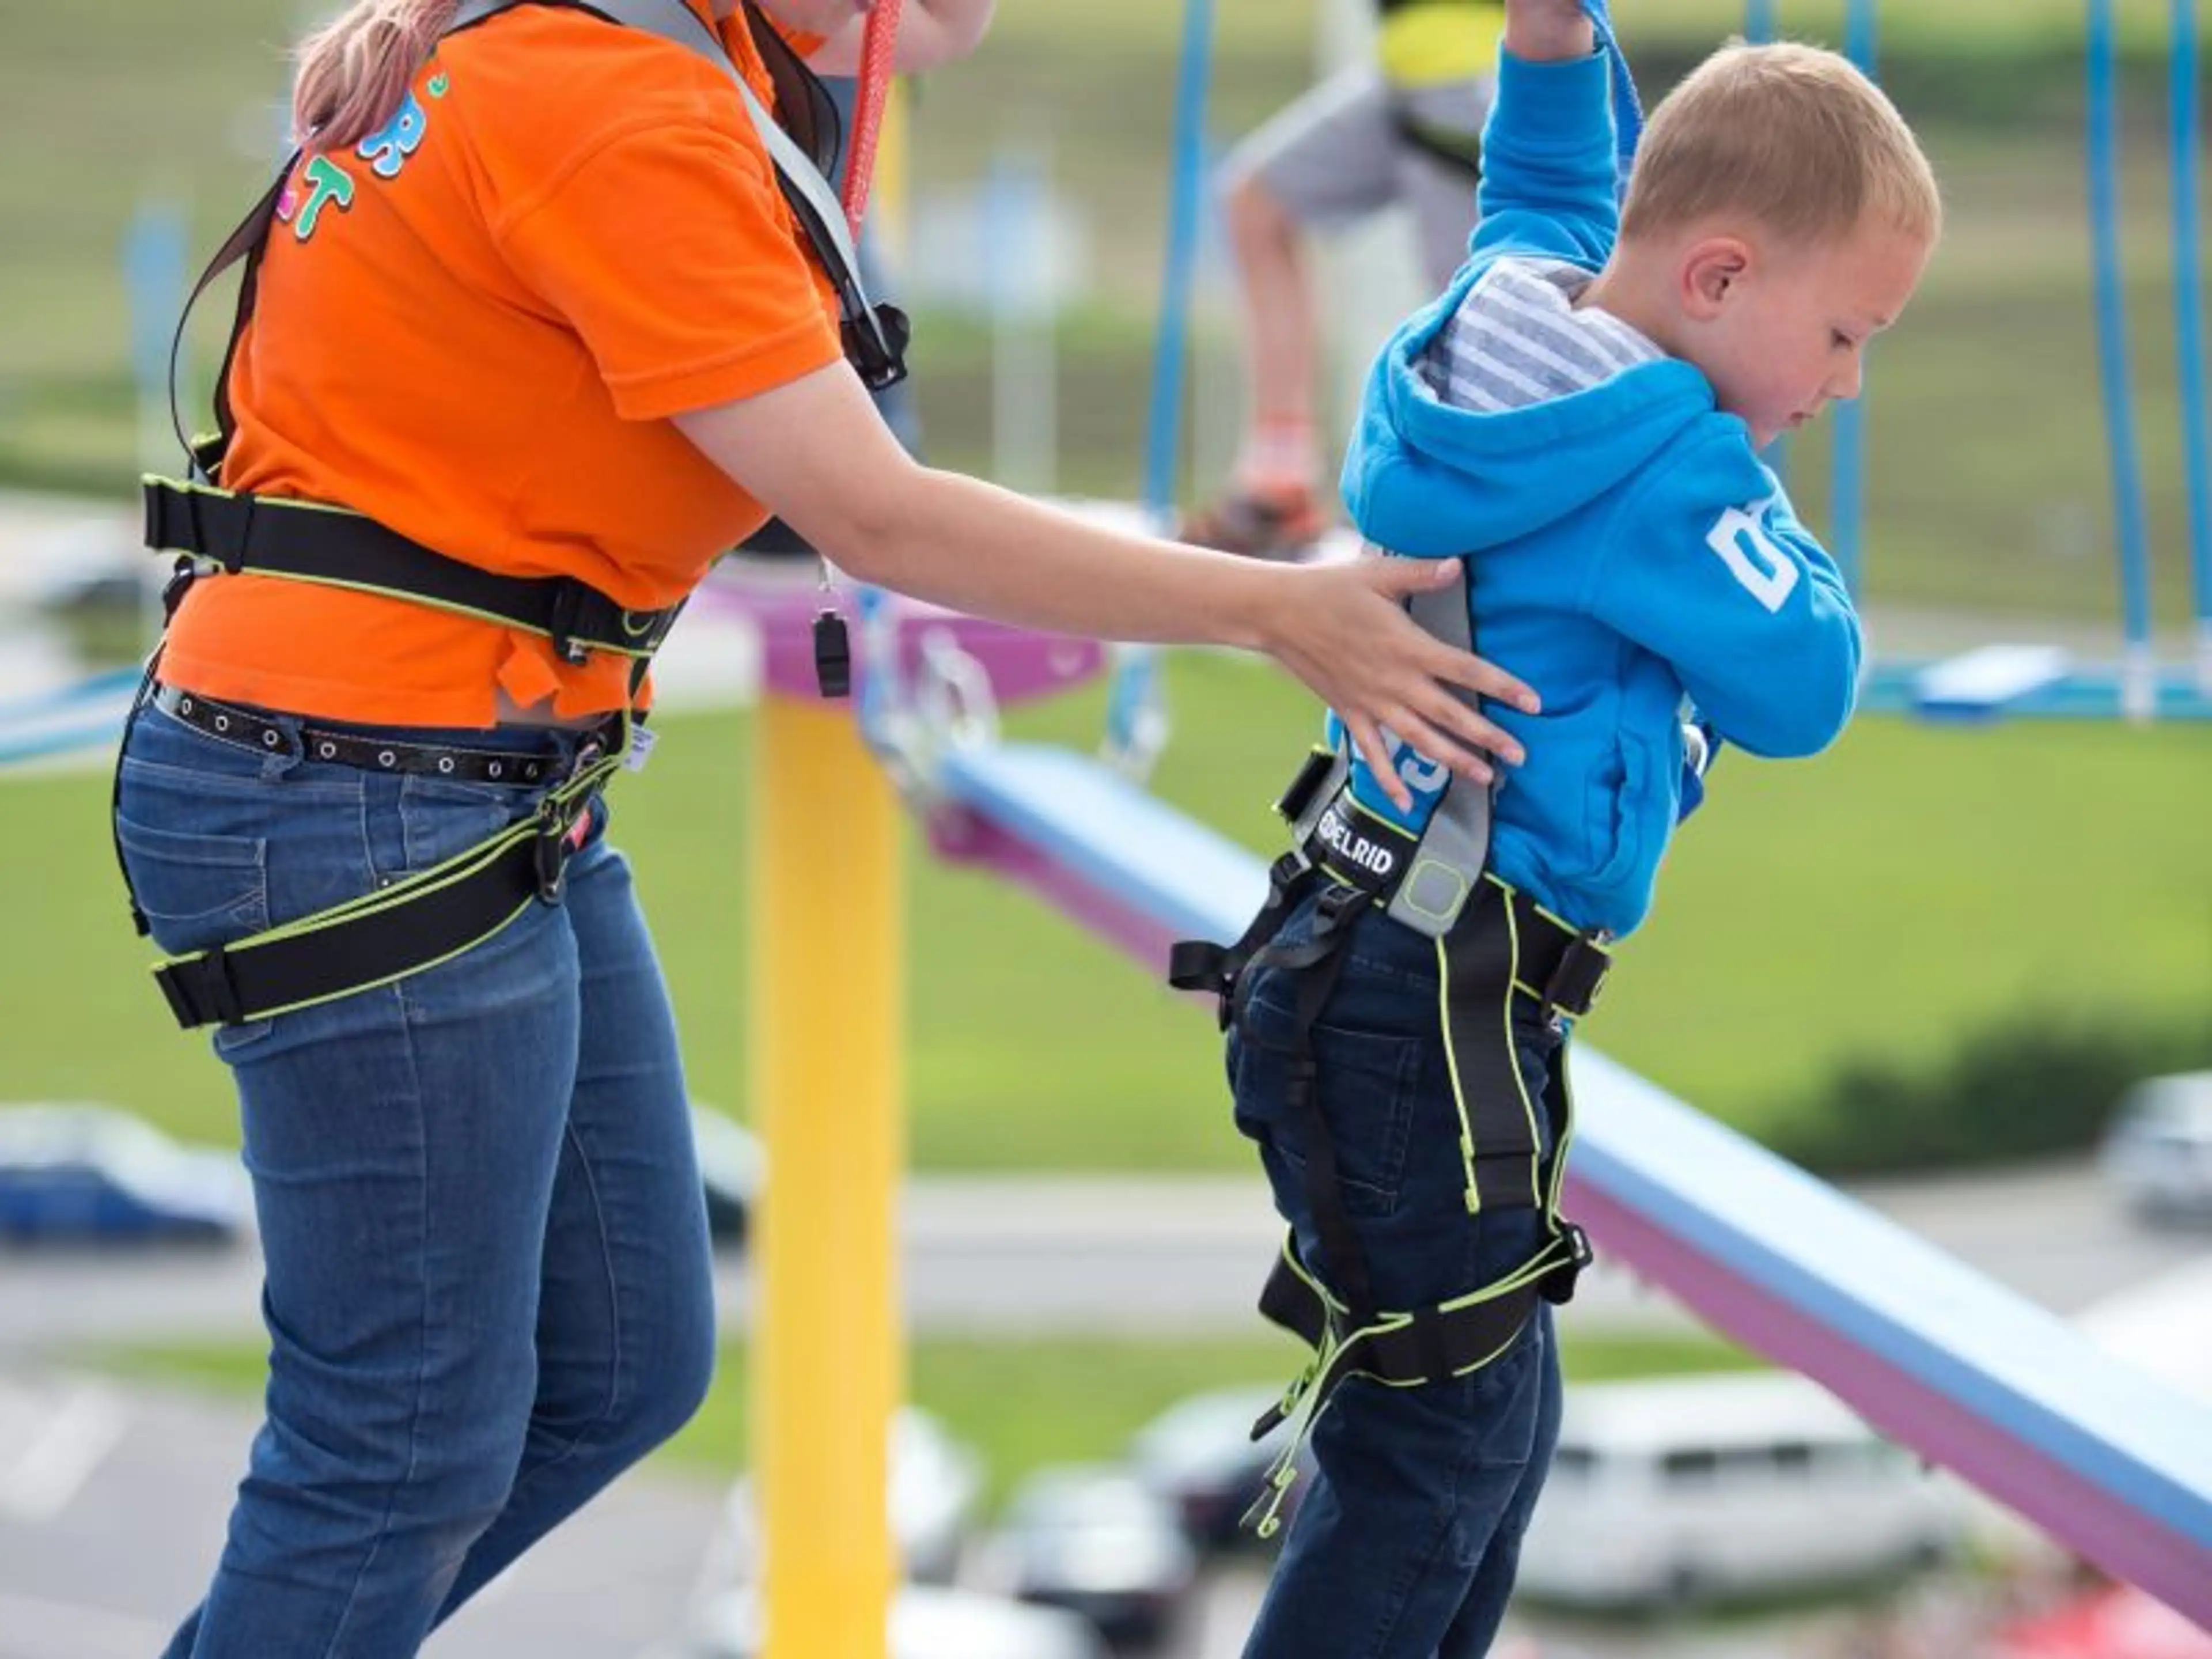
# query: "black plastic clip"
[1557,1286]
[561,621]
[832,654]
[551,849]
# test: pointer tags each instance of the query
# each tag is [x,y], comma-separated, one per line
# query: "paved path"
[1001,1255]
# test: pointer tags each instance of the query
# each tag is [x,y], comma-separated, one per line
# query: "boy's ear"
[1711,268]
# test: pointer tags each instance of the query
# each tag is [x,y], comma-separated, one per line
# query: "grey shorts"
[1340,153]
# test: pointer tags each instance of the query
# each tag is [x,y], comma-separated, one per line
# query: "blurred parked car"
[85,1174]
[1199,1456]
[2158,1150]
[1097,1541]
[1685,1488]
[734,1169]
[926,1622]
[936,1486]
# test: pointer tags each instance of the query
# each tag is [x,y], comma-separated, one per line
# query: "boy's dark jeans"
[1405,1545]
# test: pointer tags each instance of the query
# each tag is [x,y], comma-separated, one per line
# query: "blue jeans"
[1405,1545]
[488,1284]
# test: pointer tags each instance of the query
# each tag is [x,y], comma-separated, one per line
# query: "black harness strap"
[396,930]
[271,536]
[1318,963]
[1428,1343]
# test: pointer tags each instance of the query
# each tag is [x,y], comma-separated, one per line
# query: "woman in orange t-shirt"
[532,300]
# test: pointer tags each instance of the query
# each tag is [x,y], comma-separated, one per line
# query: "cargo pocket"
[1368,1082]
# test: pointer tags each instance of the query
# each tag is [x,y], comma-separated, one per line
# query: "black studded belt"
[264,733]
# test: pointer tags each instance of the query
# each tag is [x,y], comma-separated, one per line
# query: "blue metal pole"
[1135,716]
[1847,474]
[2138,684]
[1163,437]
[2189,316]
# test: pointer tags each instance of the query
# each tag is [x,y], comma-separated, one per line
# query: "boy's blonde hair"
[1791,136]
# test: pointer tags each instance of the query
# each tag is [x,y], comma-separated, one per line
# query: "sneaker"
[1259,526]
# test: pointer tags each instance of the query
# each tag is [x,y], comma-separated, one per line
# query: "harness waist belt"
[1561,966]
[271,536]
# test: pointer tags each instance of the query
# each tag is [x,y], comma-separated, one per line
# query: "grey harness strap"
[1456,846]
[674,21]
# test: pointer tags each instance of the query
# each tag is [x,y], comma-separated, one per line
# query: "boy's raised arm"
[1720,580]
[1548,165]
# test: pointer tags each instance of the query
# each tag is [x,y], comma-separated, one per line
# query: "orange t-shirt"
[472,327]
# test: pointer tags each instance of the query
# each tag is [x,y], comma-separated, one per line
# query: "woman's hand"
[1342,630]
[814,451]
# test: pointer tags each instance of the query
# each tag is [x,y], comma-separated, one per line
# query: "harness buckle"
[556,844]
[182,575]
[1557,1286]
[217,982]
[1573,988]
[561,621]
[234,558]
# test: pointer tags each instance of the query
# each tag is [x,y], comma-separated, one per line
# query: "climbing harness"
[428,917]
[1499,954]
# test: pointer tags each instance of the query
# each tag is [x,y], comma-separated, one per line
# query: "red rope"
[878,45]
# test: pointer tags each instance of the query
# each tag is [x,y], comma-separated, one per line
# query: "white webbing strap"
[674,21]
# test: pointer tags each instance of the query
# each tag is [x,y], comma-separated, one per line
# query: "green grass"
[1021,1404]
[1885,900]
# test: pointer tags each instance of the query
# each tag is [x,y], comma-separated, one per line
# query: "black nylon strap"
[1480,963]
[1436,1342]
[1197,964]
[274,537]
[1317,963]
[255,978]
[1564,969]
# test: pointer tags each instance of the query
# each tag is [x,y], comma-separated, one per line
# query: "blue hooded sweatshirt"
[1628,555]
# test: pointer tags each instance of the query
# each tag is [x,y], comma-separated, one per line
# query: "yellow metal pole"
[828,1005]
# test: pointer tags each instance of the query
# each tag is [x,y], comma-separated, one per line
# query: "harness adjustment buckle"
[182,575]
[554,844]
[561,621]
[1573,987]
[1557,1286]
[1318,766]
[215,980]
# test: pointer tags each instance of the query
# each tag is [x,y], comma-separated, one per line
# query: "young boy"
[1579,417]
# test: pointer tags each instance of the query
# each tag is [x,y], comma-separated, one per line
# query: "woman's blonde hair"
[355,70]
[1791,136]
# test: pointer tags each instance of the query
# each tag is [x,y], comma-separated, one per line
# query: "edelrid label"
[1348,844]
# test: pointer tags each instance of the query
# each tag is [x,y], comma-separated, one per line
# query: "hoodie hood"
[1424,479]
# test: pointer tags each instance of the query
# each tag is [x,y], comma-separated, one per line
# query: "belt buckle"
[554,846]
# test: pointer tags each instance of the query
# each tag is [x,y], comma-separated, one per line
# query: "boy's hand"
[1548,30]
